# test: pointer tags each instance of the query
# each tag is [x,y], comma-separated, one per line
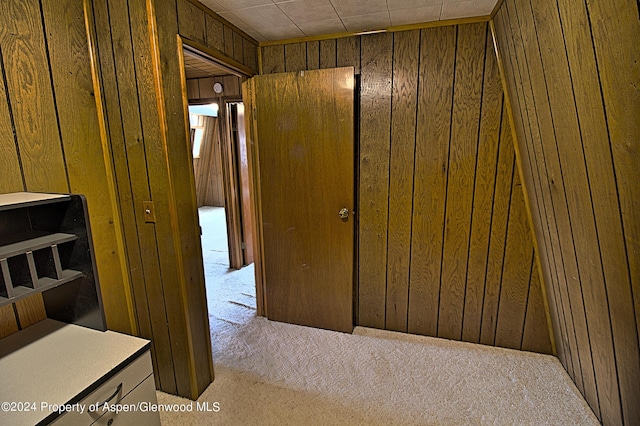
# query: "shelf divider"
[21,247]
[4,265]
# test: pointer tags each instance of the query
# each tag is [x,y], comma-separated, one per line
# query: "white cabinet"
[139,397]
[53,364]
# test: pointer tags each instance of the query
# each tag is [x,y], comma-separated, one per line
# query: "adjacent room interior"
[406,194]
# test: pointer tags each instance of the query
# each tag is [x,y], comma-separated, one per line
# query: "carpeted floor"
[270,373]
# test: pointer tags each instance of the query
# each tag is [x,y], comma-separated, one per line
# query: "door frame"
[241,175]
[251,129]
[230,186]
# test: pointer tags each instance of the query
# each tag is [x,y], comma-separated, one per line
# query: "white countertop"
[52,362]
[19,198]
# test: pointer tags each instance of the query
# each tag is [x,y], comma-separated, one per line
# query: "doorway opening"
[223,193]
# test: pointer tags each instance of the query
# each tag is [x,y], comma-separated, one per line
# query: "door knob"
[344,213]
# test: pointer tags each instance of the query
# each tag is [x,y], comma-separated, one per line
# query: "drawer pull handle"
[118,389]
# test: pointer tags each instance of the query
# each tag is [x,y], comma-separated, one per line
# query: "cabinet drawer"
[113,390]
[146,393]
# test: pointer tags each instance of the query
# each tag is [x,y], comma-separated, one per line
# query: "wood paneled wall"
[91,102]
[199,24]
[143,86]
[572,74]
[51,141]
[445,248]
[208,167]
[202,88]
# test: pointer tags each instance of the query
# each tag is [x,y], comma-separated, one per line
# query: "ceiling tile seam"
[339,17]
[288,17]
[243,23]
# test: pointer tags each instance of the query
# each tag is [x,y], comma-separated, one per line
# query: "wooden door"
[305,137]
[244,183]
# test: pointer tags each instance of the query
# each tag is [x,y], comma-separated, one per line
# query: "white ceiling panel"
[465,9]
[368,22]
[232,18]
[359,7]
[331,26]
[267,20]
[264,17]
[281,33]
[411,4]
[213,5]
[420,14]
[301,11]
[241,4]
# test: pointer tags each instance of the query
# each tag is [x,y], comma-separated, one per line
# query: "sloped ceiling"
[267,20]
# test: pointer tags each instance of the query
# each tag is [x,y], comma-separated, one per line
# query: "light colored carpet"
[270,373]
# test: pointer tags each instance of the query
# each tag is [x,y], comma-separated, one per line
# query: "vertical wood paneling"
[8,323]
[435,105]
[33,110]
[30,311]
[172,110]
[208,168]
[576,124]
[231,84]
[198,23]
[228,41]
[47,79]
[132,172]
[9,162]
[535,338]
[115,130]
[349,53]
[238,47]
[75,103]
[445,106]
[55,136]
[530,173]
[497,240]
[513,297]
[250,54]
[215,33]
[205,87]
[540,198]
[375,107]
[295,57]
[403,145]
[33,107]
[328,54]
[526,123]
[461,177]
[193,89]
[483,198]
[313,55]
[11,181]
[161,194]
[619,71]
[616,25]
[273,59]
[191,21]
[545,153]
[579,202]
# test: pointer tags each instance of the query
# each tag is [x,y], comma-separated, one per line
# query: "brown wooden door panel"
[306,150]
[243,165]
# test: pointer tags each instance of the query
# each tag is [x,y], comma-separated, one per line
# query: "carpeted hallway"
[270,373]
